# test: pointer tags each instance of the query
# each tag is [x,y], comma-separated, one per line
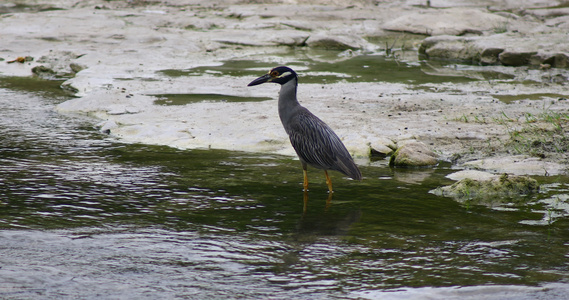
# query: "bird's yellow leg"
[305,185]
[305,200]
[328,182]
[328,201]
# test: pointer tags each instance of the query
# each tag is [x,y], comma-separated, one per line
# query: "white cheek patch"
[285,74]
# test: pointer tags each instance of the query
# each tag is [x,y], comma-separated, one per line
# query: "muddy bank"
[118,58]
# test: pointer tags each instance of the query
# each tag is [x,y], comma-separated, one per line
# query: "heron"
[315,143]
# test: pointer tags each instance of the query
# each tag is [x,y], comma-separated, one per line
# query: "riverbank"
[116,56]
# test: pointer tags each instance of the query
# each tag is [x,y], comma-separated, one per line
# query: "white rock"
[472,174]
[451,21]
[518,165]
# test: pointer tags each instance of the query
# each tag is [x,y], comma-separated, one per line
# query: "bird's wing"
[318,145]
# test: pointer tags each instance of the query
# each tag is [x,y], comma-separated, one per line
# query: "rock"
[43,72]
[490,56]
[518,165]
[107,126]
[413,154]
[286,37]
[381,147]
[299,25]
[545,13]
[515,58]
[119,109]
[76,68]
[448,47]
[559,60]
[297,39]
[472,174]
[489,189]
[451,21]
[560,22]
[336,42]
[505,49]
[244,40]
[58,64]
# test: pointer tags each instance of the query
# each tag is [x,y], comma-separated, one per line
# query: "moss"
[502,186]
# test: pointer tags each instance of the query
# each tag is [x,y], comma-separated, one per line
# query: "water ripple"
[84,217]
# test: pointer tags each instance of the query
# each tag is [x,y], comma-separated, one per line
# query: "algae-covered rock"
[413,154]
[43,71]
[58,64]
[498,186]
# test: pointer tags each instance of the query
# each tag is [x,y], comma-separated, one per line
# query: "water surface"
[84,216]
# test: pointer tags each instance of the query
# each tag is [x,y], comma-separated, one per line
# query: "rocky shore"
[112,55]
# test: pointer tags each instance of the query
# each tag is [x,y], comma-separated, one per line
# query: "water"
[327,67]
[184,99]
[84,216]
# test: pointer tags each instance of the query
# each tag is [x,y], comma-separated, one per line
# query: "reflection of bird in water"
[314,142]
[330,222]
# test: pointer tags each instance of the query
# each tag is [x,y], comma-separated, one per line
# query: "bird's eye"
[274,74]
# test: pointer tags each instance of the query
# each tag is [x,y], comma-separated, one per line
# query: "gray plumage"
[315,143]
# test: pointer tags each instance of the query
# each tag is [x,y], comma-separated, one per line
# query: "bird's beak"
[260,80]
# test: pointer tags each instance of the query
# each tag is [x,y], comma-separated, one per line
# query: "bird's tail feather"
[349,168]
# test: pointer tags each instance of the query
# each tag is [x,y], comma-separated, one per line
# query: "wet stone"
[413,154]
[515,58]
[43,71]
[560,60]
[482,188]
[490,56]
[382,147]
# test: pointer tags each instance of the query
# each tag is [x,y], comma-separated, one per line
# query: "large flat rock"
[450,21]
[510,49]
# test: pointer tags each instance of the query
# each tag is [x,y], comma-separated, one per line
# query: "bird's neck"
[287,99]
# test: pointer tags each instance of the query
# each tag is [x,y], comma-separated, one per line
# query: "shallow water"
[84,216]
[183,99]
[319,66]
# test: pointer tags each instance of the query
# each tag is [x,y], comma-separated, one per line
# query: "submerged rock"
[489,187]
[413,154]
